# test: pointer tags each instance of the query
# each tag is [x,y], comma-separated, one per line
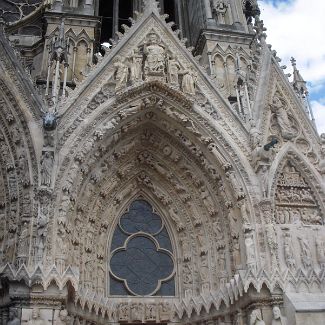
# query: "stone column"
[115,17]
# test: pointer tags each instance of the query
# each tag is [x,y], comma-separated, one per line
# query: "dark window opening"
[106,12]
[125,12]
[170,9]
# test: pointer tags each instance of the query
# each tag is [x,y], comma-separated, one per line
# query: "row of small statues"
[37,319]
[153,64]
[63,318]
[257,319]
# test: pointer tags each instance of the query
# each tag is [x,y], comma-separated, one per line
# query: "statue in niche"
[278,319]
[137,312]
[155,56]
[254,135]
[47,162]
[250,249]
[220,8]
[173,71]
[256,318]
[164,312]
[320,249]
[23,244]
[278,107]
[151,311]
[306,256]
[174,215]
[13,317]
[36,318]
[204,269]
[136,67]
[63,318]
[288,252]
[189,82]
[121,73]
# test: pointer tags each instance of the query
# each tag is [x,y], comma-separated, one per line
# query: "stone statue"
[121,73]
[279,109]
[23,244]
[188,82]
[305,253]
[250,249]
[63,318]
[288,252]
[320,249]
[36,318]
[173,71]
[46,168]
[13,317]
[220,8]
[256,318]
[254,135]
[278,319]
[155,53]
[136,67]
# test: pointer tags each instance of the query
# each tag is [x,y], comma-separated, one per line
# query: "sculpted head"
[13,314]
[276,312]
[153,38]
[63,314]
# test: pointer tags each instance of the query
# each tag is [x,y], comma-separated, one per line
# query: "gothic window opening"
[141,262]
[114,14]
[170,9]
[106,13]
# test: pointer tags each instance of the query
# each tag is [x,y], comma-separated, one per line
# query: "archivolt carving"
[181,177]
[17,175]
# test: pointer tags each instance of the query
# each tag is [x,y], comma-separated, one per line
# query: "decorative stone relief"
[295,202]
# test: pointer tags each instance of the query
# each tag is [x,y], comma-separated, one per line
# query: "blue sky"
[296,28]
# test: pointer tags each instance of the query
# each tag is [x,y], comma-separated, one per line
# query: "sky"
[296,28]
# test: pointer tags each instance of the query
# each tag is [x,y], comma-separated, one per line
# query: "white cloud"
[295,28]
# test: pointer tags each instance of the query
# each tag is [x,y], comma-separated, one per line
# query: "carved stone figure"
[189,82]
[13,317]
[220,8]
[250,249]
[278,319]
[256,318]
[173,71]
[288,251]
[155,56]
[204,269]
[46,168]
[121,73]
[136,67]
[320,249]
[36,318]
[278,107]
[63,318]
[174,215]
[305,253]
[254,135]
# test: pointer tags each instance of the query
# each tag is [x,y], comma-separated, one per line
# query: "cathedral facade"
[173,175]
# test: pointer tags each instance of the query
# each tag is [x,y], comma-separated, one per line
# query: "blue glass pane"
[141,265]
[167,288]
[140,217]
[164,240]
[117,287]
[119,239]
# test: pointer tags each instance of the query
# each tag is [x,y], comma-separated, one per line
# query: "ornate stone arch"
[149,142]
[19,173]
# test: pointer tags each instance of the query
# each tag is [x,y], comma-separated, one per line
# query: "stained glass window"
[141,261]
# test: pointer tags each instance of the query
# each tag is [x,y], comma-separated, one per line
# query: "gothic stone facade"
[156,182]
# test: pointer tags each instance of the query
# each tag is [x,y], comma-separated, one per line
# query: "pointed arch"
[307,194]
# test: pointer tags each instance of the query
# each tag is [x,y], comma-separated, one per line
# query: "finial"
[294,63]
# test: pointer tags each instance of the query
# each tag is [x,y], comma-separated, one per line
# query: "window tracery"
[141,262]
